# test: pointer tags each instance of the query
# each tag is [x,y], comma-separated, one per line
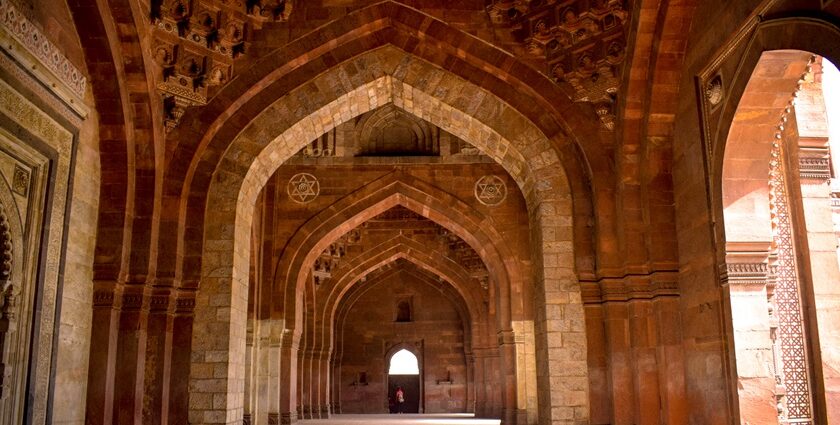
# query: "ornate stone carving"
[103,298]
[196,42]
[39,124]
[185,304]
[5,247]
[8,295]
[331,257]
[713,91]
[20,181]
[791,337]
[490,190]
[466,256]
[579,43]
[812,168]
[23,40]
[745,273]
[303,188]
[132,300]
[159,302]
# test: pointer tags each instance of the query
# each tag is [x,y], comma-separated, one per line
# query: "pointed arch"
[506,136]
[384,25]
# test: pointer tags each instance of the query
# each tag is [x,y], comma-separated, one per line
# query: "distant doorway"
[404,373]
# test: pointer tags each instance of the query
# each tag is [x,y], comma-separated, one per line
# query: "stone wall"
[370,330]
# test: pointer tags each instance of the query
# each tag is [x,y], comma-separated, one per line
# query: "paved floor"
[427,419]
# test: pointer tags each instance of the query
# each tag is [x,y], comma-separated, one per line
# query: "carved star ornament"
[303,188]
[490,190]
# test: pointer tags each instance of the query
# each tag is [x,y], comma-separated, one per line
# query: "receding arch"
[446,287]
[400,247]
[396,188]
[266,143]
[392,26]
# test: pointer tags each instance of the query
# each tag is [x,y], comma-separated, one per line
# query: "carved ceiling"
[196,43]
[400,220]
[580,44]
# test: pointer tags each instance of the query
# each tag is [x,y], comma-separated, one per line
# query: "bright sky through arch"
[404,363]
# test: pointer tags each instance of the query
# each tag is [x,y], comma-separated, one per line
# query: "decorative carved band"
[185,305]
[132,300]
[25,42]
[5,246]
[103,298]
[814,168]
[159,302]
[744,273]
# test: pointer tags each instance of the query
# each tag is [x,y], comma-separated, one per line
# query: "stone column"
[131,356]
[744,284]
[619,357]
[324,384]
[180,360]
[335,381]
[103,341]
[507,363]
[669,350]
[158,357]
[496,385]
[643,342]
[470,387]
[288,375]
[480,386]
[250,373]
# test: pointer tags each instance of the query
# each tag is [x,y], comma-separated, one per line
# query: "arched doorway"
[404,377]
[780,245]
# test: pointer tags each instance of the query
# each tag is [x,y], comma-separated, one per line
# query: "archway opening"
[404,383]
[780,242]
[403,362]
